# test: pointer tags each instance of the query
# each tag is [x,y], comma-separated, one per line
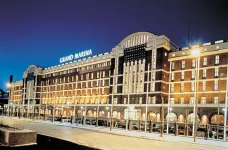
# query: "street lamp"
[196,53]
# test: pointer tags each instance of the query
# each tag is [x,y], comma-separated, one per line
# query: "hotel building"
[145,78]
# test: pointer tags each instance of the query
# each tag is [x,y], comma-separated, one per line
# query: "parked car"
[88,121]
[121,124]
[93,122]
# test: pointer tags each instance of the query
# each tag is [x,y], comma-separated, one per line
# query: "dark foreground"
[49,143]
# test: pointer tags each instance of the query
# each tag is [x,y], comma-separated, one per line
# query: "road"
[103,140]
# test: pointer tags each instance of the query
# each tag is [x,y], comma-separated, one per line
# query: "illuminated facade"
[144,78]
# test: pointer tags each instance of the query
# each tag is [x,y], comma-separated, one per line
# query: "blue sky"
[40,32]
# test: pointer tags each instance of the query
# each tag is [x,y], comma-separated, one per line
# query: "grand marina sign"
[75,56]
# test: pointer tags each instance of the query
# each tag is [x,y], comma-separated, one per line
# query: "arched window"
[89,113]
[204,120]
[181,118]
[217,119]
[171,117]
[115,114]
[152,116]
[191,118]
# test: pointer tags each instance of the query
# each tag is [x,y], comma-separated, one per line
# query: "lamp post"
[196,53]
[81,115]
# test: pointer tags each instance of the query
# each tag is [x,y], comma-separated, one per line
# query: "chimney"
[11,78]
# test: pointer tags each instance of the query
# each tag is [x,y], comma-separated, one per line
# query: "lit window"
[182,100]
[103,74]
[173,66]
[203,100]
[193,63]
[216,85]
[204,73]
[81,77]
[205,61]
[216,59]
[192,86]
[183,65]
[172,76]
[153,76]
[182,75]
[204,86]
[182,86]
[172,101]
[216,72]
[97,74]
[153,87]
[165,54]
[216,100]
[193,74]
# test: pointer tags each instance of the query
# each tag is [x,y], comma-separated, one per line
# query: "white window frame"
[203,100]
[182,75]
[192,86]
[215,85]
[172,100]
[172,76]
[216,59]
[193,63]
[216,72]
[173,66]
[204,73]
[193,74]
[205,61]
[183,64]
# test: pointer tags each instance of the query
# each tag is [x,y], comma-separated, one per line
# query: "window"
[192,99]
[204,86]
[97,75]
[182,75]
[182,100]
[204,73]
[172,87]
[153,76]
[216,72]
[182,86]
[81,77]
[182,64]
[193,74]
[103,74]
[172,76]
[91,75]
[216,59]
[172,101]
[215,100]
[192,86]
[153,87]
[193,63]
[173,66]
[205,61]
[203,100]
[154,100]
[215,85]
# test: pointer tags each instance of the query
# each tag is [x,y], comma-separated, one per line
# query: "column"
[170,66]
[226,101]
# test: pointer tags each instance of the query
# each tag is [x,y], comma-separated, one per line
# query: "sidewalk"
[139,134]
